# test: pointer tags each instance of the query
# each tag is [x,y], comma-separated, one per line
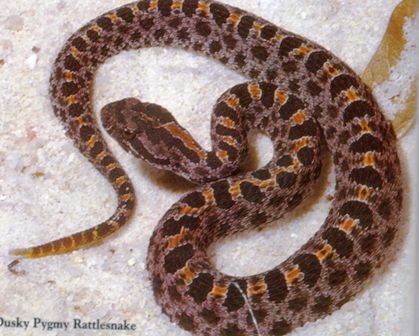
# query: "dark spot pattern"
[268,32]
[357,210]
[366,143]
[292,105]
[177,258]
[310,266]
[367,176]
[316,61]
[276,286]
[341,83]
[222,195]
[259,52]
[339,241]
[288,44]
[322,305]
[194,199]
[251,192]
[200,287]
[203,28]
[244,26]
[219,13]
[297,304]
[164,7]
[308,128]
[357,109]
[234,299]
[337,277]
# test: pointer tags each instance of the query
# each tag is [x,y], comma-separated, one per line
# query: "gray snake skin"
[298,94]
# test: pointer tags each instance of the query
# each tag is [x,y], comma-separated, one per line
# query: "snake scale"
[298,93]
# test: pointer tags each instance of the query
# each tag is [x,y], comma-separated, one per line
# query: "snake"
[302,97]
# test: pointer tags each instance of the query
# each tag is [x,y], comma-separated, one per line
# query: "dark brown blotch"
[367,143]
[69,88]
[259,52]
[219,13]
[115,173]
[93,35]
[362,271]
[284,161]
[308,128]
[310,266]
[316,61]
[341,83]
[244,26]
[210,316]
[194,199]
[286,179]
[366,176]
[241,92]
[213,161]
[234,299]
[259,315]
[339,241]
[215,46]
[305,155]
[288,44]
[290,66]
[172,226]
[239,60]
[276,285]
[86,132]
[313,88]
[177,258]
[105,23]
[147,23]
[79,43]
[126,14]
[223,110]
[222,195]
[268,93]
[297,304]
[230,41]
[357,109]
[143,5]
[200,287]
[368,243]
[165,7]
[251,192]
[292,105]
[203,28]
[337,277]
[268,32]
[323,305]
[357,210]
[72,64]
[262,174]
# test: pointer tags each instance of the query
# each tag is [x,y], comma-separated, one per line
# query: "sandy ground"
[47,189]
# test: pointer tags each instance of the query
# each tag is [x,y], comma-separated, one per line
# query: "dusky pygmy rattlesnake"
[296,86]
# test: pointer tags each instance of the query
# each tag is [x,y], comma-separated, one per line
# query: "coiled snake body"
[298,90]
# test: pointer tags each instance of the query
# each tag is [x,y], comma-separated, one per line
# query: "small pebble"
[131,262]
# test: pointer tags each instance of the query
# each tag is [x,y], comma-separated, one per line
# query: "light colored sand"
[110,281]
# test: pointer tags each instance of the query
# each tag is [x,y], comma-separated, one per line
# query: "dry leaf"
[388,55]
